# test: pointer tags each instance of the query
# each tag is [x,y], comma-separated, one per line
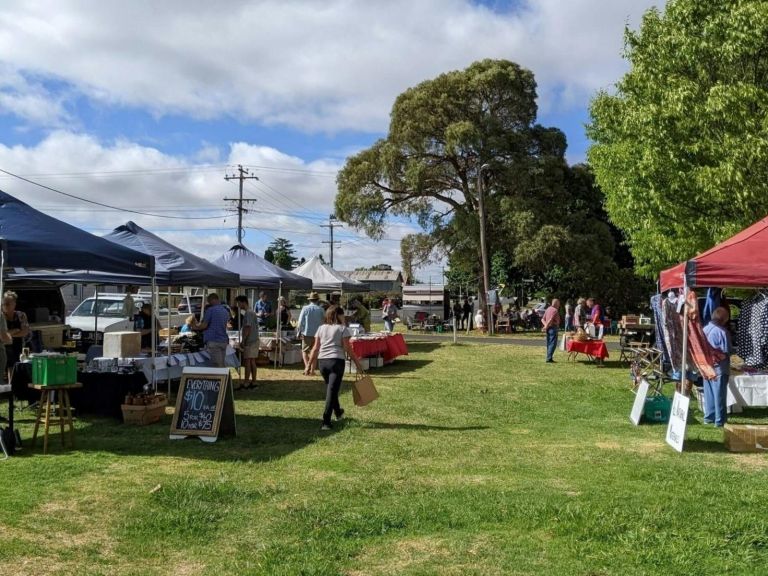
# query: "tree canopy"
[681,149]
[281,253]
[544,217]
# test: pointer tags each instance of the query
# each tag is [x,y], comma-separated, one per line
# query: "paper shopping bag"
[363,390]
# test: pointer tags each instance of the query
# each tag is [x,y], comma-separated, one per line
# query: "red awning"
[740,261]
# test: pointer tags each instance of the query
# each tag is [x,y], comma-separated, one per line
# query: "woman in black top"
[18,328]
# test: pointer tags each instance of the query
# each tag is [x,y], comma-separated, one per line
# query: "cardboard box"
[164,332]
[122,344]
[51,335]
[746,437]
[364,362]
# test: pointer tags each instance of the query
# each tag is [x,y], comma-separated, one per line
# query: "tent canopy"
[35,240]
[173,266]
[256,272]
[740,261]
[325,278]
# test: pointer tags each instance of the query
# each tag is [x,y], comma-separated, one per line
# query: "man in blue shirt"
[263,310]
[310,319]
[716,390]
[214,327]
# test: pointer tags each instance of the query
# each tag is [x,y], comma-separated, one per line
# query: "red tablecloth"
[594,348]
[390,346]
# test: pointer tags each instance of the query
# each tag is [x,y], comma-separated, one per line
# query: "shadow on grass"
[416,346]
[699,445]
[423,427]
[259,438]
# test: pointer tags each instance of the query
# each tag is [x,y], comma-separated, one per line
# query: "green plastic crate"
[54,370]
[657,409]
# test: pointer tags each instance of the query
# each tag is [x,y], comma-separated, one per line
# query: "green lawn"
[475,460]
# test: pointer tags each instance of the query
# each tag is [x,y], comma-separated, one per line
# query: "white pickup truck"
[104,313]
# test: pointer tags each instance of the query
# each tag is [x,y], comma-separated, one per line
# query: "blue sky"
[135,107]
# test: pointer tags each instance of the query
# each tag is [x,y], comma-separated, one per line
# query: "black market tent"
[324,278]
[32,239]
[256,272]
[173,266]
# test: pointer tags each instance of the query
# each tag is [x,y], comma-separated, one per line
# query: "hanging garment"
[752,333]
[673,333]
[712,301]
[658,320]
[703,355]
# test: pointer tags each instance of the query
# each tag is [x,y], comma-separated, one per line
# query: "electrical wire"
[103,205]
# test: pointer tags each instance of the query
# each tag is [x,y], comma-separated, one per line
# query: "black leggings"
[332,371]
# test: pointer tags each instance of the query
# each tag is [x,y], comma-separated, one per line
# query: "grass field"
[475,460]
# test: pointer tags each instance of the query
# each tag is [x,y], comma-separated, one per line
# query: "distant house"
[379,280]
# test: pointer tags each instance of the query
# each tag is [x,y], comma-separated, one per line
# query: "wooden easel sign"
[205,405]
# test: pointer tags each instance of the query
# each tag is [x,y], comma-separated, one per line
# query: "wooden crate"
[143,415]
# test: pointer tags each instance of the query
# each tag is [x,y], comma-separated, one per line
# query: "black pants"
[332,371]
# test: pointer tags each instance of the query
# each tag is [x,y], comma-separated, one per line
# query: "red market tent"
[739,261]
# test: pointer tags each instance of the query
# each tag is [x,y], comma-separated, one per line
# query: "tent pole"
[154,332]
[168,350]
[684,356]
[96,317]
[279,349]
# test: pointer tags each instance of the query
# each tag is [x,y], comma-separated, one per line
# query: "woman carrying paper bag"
[331,344]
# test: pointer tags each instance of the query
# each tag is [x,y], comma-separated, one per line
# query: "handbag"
[363,390]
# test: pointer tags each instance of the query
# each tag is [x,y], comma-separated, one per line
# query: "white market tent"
[326,279]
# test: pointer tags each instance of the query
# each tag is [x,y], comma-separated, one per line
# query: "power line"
[103,205]
[127,172]
[332,223]
[242,175]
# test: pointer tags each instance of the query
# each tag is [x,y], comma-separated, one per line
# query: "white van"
[104,313]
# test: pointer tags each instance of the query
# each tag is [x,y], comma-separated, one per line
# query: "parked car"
[105,313]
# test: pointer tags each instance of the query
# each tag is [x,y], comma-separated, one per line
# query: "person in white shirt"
[332,341]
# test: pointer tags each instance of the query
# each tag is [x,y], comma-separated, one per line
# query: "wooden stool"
[46,400]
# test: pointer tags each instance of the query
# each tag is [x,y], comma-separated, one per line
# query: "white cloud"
[293,197]
[330,66]
[30,100]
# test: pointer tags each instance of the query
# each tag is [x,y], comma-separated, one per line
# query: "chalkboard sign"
[204,405]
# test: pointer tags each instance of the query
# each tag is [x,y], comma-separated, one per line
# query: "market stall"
[326,279]
[388,346]
[255,272]
[592,349]
[739,262]
[31,240]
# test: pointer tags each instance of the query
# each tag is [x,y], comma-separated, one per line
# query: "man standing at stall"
[249,341]
[550,325]
[310,319]
[214,327]
[263,310]
[361,315]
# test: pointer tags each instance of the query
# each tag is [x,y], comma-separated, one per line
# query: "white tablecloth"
[747,391]
[171,367]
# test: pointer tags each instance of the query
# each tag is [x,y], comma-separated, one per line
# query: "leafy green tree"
[283,254]
[441,133]
[545,219]
[681,149]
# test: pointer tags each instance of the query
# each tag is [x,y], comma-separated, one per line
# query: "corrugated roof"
[375,275]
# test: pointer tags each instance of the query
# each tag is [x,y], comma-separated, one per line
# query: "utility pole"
[242,176]
[332,223]
[483,248]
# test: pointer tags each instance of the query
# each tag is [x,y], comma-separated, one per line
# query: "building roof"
[375,275]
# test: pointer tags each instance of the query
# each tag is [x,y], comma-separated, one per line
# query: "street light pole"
[483,247]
